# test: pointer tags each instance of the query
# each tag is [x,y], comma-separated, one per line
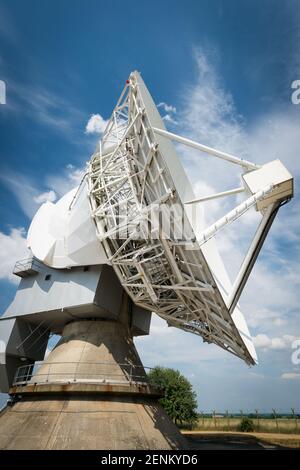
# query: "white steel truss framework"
[161,274]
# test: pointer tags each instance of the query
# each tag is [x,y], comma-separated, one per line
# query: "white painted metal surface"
[209,150]
[230,192]
[62,235]
[271,173]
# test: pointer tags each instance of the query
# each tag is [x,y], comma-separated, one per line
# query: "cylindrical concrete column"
[93,351]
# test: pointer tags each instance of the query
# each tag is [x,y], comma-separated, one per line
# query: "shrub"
[246,425]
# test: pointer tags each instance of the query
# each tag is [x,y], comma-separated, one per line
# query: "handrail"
[26,373]
[26,261]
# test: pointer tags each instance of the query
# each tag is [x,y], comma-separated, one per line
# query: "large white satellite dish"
[177,273]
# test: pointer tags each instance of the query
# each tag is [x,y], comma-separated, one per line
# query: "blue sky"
[227,68]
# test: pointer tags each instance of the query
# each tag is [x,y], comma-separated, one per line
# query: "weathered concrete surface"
[88,423]
[92,351]
[81,388]
[68,404]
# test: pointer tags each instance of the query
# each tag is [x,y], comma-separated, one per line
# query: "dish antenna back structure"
[127,242]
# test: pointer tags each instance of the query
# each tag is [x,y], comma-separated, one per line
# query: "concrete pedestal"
[90,393]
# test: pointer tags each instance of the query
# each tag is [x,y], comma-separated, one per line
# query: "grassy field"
[279,425]
[265,439]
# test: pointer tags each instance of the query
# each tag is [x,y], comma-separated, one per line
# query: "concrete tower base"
[90,393]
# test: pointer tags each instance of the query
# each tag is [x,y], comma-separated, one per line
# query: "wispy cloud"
[24,190]
[30,194]
[7,28]
[47,108]
[164,339]
[52,110]
[170,111]
[13,248]
[208,113]
[291,376]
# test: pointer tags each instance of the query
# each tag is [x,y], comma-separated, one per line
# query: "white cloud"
[29,196]
[96,124]
[209,114]
[291,376]
[170,111]
[48,108]
[51,109]
[13,248]
[174,347]
[263,341]
[23,189]
[169,118]
[168,108]
[46,196]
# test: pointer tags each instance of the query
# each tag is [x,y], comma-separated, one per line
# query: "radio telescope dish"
[134,181]
[183,280]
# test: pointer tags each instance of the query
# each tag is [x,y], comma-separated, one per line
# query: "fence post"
[214,417]
[242,416]
[275,416]
[295,419]
[257,419]
[227,416]
[201,415]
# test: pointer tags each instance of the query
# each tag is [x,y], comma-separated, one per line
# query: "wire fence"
[260,422]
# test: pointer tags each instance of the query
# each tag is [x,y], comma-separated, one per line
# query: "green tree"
[180,400]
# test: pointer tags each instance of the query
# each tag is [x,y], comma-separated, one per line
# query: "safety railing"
[70,372]
[26,267]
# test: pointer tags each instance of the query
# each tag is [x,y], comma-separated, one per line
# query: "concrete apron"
[90,393]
